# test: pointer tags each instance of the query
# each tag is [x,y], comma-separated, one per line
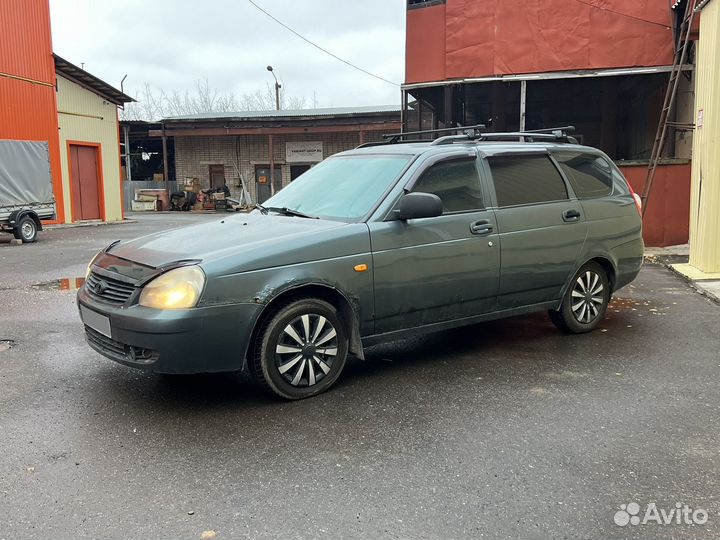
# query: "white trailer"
[26,191]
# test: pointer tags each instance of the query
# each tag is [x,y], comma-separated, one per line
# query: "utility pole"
[277,88]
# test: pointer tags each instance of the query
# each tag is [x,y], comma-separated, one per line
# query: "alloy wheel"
[588,297]
[306,350]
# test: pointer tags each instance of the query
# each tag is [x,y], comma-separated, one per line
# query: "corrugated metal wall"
[705,198]
[87,117]
[502,37]
[28,108]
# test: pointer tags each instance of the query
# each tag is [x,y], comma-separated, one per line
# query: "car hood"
[230,236]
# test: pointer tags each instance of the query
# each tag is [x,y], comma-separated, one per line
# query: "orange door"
[85,182]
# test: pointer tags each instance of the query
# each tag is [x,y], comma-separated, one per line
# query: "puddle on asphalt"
[62,284]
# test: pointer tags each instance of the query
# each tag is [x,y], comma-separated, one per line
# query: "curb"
[91,224]
[654,259]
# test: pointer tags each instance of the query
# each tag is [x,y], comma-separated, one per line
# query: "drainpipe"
[272,165]
[128,172]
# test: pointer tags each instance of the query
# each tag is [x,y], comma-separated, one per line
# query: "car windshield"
[344,188]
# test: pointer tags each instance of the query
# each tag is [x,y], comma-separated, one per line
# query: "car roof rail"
[557,135]
[398,138]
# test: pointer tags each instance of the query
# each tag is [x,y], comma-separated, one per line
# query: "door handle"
[481,227]
[571,215]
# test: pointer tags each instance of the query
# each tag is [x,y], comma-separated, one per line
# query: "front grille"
[105,345]
[108,290]
[119,351]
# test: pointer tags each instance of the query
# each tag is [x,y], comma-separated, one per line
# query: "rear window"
[589,175]
[457,183]
[526,180]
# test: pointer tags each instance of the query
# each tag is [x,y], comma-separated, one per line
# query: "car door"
[542,229]
[442,268]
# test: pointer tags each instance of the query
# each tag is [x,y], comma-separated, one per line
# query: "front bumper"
[198,340]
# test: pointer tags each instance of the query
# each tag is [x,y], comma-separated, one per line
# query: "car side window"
[456,182]
[590,175]
[526,180]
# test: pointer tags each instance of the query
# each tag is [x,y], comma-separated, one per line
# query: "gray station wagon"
[372,244]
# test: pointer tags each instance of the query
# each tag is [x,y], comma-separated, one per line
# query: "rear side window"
[589,175]
[456,183]
[526,180]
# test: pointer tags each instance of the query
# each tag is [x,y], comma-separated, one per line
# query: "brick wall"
[194,155]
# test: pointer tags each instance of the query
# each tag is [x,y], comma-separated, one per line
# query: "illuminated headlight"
[177,289]
[89,266]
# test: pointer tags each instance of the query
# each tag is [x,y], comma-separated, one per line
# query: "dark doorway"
[262,182]
[217,176]
[297,170]
[85,175]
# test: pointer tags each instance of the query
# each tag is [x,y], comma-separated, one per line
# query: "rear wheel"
[300,350]
[585,302]
[26,230]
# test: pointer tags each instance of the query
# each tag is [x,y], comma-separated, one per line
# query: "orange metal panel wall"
[28,110]
[25,40]
[667,220]
[425,41]
[502,37]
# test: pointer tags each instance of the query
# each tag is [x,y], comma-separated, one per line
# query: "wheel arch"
[607,265]
[323,291]
[18,215]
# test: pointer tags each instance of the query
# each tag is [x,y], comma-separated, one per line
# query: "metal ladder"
[683,41]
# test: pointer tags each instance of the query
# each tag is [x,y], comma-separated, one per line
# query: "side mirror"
[418,205]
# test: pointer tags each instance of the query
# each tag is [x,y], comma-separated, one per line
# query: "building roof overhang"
[553,75]
[90,82]
[287,122]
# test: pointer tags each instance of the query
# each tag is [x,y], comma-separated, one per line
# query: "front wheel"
[26,230]
[585,302]
[300,350]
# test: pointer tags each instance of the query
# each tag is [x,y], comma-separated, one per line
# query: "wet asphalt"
[507,429]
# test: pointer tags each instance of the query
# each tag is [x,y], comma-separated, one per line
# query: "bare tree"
[153,104]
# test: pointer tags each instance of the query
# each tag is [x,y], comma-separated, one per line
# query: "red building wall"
[667,219]
[501,37]
[28,104]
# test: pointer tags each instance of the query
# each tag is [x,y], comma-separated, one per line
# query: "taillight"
[636,197]
[638,201]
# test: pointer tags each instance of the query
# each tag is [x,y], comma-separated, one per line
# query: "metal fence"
[130,187]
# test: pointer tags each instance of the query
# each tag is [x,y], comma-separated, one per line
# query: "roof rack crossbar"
[561,130]
[528,136]
[520,136]
[398,136]
[472,133]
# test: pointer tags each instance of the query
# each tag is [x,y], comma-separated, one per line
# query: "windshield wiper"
[262,209]
[289,212]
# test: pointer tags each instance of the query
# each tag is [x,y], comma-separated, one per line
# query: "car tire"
[585,301]
[300,349]
[26,230]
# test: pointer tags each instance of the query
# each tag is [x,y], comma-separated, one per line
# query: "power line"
[623,14]
[336,57]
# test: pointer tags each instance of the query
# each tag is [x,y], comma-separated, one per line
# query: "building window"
[618,114]
[412,4]
[526,180]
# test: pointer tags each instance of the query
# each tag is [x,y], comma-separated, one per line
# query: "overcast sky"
[172,43]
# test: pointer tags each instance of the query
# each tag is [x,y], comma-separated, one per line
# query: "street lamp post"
[277,88]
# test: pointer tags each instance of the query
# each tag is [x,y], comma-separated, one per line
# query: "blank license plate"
[94,320]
